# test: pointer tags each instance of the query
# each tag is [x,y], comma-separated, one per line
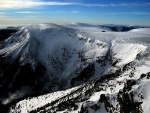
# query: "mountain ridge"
[45,56]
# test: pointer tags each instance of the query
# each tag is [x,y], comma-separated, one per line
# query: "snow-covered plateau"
[75,68]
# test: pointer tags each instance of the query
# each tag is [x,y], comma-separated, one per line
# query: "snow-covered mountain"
[75,68]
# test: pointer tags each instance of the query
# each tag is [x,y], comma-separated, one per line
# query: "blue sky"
[125,12]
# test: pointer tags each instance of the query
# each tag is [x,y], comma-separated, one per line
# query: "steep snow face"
[126,53]
[63,53]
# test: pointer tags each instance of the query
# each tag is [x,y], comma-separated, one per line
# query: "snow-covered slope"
[99,65]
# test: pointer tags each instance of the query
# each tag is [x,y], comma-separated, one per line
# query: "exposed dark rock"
[108,106]
[127,105]
[84,75]
[147,75]
[5,33]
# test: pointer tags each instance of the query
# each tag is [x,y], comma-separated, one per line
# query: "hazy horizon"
[23,12]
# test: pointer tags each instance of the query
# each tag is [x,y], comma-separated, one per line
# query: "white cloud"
[121,13]
[32,12]
[61,12]
[108,13]
[27,12]
[94,5]
[115,5]
[6,4]
[75,12]
[15,4]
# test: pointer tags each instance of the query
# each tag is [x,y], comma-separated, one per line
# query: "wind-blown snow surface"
[77,54]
